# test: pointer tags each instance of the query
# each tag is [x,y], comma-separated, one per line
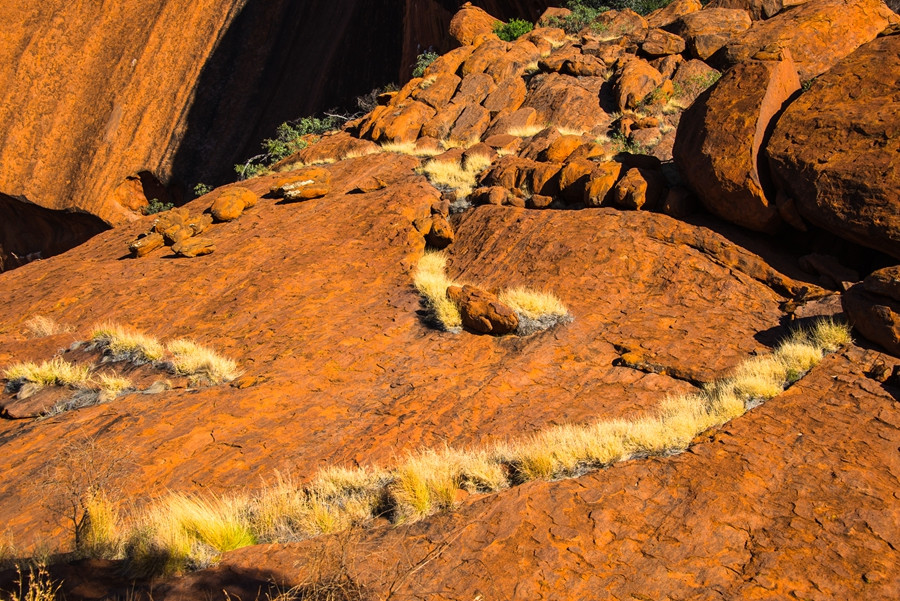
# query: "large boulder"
[874,316]
[708,30]
[835,150]
[818,33]
[469,23]
[719,139]
[757,9]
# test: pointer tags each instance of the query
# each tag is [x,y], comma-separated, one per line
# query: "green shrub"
[156,206]
[201,189]
[422,62]
[512,30]
[288,140]
[585,12]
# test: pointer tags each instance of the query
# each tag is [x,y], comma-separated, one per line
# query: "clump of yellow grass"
[460,176]
[532,304]
[432,282]
[197,361]
[55,372]
[41,326]
[126,344]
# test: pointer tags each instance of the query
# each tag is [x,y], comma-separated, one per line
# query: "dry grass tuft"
[192,359]
[410,148]
[432,282]
[35,586]
[97,534]
[455,176]
[124,344]
[533,304]
[111,385]
[55,372]
[449,143]
[368,150]
[41,326]
[526,131]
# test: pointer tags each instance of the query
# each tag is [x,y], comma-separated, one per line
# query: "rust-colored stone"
[885,281]
[639,189]
[635,81]
[469,22]
[661,43]
[719,139]
[708,30]
[194,247]
[482,311]
[229,205]
[665,16]
[757,9]
[441,233]
[601,182]
[146,243]
[876,317]
[439,91]
[560,149]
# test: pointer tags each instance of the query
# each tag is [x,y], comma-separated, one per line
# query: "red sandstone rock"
[834,150]
[876,317]
[757,9]
[562,101]
[711,28]
[146,243]
[560,148]
[194,247]
[661,43]
[471,123]
[616,24]
[469,22]
[439,92]
[507,97]
[600,184]
[573,179]
[670,13]
[449,63]
[303,184]
[482,312]
[719,139]
[885,281]
[635,81]
[231,203]
[441,233]
[639,189]
[818,33]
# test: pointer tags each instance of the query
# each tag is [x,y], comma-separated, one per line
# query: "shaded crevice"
[29,232]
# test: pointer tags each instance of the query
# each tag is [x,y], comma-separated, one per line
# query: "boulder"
[835,149]
[200,223]
[562,101]
[194,247]
[507,97]
[471,123]
[449,62]
[615,24]
[560,149]
[439,91]
[757,9]
[706,31]
[601,182]
[303,184]
[441,233]
[438,127]
[719,138]
[146,243]
[482,311]
[692,78]
[231,203]
[176,234]
[474,88]
[636,80]
[573,179]
[640,189]
[665,16]
[874,316]
[818,33]
[485,55]
[167,219]
[885,282]
[470,22]
[662,43]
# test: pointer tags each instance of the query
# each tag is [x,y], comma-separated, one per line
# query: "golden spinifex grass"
[55,372]
[41,326]
[179,531]
[124,343]
[192,359]
[431,281]
[460,176]
[533,304]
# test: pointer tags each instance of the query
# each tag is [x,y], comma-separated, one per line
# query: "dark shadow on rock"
[29,232]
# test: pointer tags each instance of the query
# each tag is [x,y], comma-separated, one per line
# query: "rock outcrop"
[834,151]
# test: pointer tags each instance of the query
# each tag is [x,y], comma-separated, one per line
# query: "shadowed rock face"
[29,232]
[95,95]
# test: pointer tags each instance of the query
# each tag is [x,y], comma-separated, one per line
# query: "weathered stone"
[303,184]
[450,62]
[885,281]
[692,78]
[834,151]
[507,97]
[482,311]
[600,184]
[146,244]
[474,88]
[538,143]
[838,276]
[439,91]
[615,24]
[484,56]
[169,218]
[640,189]
[708,30]
[757,9]
[573,179]
[560,149]
[438,127]
[635,81]
[469,22]
[176,233]
[667,65]
[194,247]
[818,34]
[441,233]
[719,138]
[670,13]
[679,203]
[520,119]
[230,204]
[471,123]
[404,124]
[560,100]
[874,316]
[661,43]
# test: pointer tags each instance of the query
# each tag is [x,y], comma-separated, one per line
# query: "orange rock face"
[719,139]
[835,153]
[818,33]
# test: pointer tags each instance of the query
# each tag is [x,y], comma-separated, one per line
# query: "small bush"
[512,30]
[423,61]
[201,189]
[156,206]
[288,140]
[124,344]
[40,327]
[35,586]
[456,176]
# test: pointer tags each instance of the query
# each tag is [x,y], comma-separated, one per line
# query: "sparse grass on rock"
[55,372]
[197,361]
[460,177]
[432,282]
[40,327]
[124,344]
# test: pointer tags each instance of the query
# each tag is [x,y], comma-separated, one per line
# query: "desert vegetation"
[178,531]
[459,176]
[511,31]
